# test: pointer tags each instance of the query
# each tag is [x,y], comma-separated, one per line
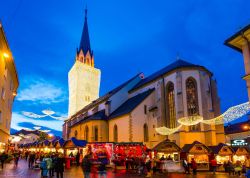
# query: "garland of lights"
[46,113]
[231,114]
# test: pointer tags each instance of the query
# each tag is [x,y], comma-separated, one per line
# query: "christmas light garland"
[46,113]
[231,114]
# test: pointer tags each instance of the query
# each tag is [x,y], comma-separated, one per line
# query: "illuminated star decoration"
[46,113]
[231,114]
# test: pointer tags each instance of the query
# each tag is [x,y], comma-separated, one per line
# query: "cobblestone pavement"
[22,171]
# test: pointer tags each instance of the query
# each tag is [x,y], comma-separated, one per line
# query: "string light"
[46,113]
[231,114]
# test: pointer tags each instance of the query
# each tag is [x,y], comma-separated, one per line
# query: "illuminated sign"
[242,142]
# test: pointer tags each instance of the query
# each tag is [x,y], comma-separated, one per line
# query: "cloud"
[18,119]
[42,92]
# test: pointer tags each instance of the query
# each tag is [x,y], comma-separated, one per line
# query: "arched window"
[171,113]
[145,131]
[86,133]
[96,133]
[192,101]
[76,133]
[115,133]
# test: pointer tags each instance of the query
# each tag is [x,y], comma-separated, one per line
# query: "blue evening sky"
[127,37]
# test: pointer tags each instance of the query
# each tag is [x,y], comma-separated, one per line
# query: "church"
[131,111]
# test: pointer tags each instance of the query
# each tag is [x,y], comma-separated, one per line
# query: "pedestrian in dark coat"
[59,166]
[3,158]
[78,159]
[86,166]
[194,166]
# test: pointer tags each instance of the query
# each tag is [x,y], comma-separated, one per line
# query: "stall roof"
[76,142]
[187,147]
[216,149]
[236,149]
[164,143]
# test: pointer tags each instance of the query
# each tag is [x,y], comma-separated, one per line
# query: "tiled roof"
[130,104]
[104,97]
[61,142]
[173,66]
[237,128]
[100,115]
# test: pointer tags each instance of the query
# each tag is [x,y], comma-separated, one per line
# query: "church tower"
[83,77]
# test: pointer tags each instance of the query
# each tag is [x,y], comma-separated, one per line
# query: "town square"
[125,89]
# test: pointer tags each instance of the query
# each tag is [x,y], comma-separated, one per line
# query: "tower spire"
[85,42]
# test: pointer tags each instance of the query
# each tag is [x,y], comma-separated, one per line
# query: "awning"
[74,143]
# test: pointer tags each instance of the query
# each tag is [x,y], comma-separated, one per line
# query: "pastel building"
[8,88]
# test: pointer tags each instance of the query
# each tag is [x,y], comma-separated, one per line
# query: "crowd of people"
[53,164]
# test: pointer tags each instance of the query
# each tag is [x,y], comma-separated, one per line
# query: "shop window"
[192,101]
[145,131]
[86,133]
[96,133]
[171,105]
[115,133]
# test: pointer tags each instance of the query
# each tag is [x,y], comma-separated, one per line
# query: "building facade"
[83,78]
[8,88]
[240,41]
[132,111]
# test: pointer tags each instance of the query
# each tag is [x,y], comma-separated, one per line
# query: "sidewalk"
[22,171]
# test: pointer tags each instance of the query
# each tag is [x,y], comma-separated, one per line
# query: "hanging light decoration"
[167,131]
[46,112]
[231,114]
[190,120]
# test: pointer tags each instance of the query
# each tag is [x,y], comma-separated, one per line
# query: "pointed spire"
[85,42]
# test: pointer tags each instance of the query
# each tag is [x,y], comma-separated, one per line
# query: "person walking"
[102,170]
[16,158]
[213,165]
[238,168]
[78,158]
[86,166]
[194,166]
[32,157]
[59,166]
[3,158]
[185,166]
[148,166]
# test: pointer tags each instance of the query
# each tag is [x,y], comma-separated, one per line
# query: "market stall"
[199,152]
[241,154]
[222,153]
[72,147]
[101,150]
[167,149]
[126,153]
[58,145]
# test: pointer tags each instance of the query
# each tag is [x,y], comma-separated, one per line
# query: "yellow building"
[8,88]
[240,41]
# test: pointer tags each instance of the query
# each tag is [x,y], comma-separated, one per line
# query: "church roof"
[100,115]
[104,97]
[173,66]
[85,41]
[130,104]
